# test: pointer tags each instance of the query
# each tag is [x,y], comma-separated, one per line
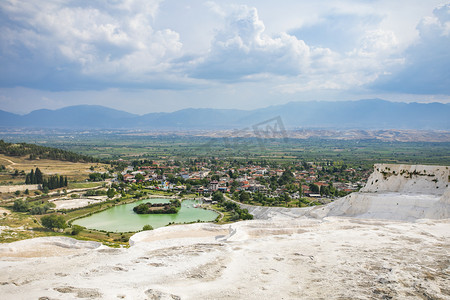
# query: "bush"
[41,209]
[111,192]
[147,227]
[76,229]
[38,210]
[95,193]
[53,221]
[20,205]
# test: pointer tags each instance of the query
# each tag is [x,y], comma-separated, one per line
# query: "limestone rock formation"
[397,192]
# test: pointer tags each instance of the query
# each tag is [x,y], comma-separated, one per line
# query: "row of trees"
[52,182]
[34,177]
[55,182]
[98,176]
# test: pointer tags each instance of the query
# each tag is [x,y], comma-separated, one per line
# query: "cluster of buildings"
[207,178]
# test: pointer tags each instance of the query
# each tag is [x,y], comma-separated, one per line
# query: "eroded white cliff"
[411,179]
[397,192]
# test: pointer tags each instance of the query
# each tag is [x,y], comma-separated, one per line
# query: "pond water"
[122,218]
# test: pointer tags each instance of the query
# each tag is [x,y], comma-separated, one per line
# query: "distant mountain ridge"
[361,114]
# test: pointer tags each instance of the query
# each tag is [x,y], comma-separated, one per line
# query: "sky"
[145,56]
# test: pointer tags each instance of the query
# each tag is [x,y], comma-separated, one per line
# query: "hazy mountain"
[7,117]
[191,118]
[362,114]
[80,116]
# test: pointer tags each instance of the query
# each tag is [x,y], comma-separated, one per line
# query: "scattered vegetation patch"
[158,208]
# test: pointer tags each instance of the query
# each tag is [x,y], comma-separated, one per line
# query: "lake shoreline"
[122,218]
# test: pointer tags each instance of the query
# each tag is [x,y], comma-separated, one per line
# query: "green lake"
[122,218]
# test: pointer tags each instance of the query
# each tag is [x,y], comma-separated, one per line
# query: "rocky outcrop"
[432,180]
[396,192]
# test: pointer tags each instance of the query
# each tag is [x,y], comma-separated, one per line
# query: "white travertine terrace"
[391,240]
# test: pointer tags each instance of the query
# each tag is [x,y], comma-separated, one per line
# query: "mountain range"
[361,114]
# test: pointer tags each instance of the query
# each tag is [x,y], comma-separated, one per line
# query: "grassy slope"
[74,171]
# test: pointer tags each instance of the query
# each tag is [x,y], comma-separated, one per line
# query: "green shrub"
[76,229]
[21,205]
[147,227]
[53,221]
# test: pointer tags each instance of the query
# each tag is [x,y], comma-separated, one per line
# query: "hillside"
[362,114]
[23,157]
[75,171]
[42,152]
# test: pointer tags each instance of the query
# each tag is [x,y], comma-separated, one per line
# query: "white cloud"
[426,68]
[242,48]
[117,41]
[254,48]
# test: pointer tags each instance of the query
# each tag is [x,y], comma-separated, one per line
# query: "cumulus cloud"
[339,31]
[157,44]
[426,69]
[242,48]
[110,41]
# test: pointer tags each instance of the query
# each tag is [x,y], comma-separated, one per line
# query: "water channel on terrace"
[122,218]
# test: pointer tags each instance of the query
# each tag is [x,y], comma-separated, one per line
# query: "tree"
[38,174]
[32,177]
[313,188]
[76,229]
[110,193]
[95,177]
[53,221]
[286,198]
[139,177]
[244,197]
[286,177]
[20,205]
[217,196]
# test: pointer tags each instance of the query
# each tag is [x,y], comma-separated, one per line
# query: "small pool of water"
[122,218]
